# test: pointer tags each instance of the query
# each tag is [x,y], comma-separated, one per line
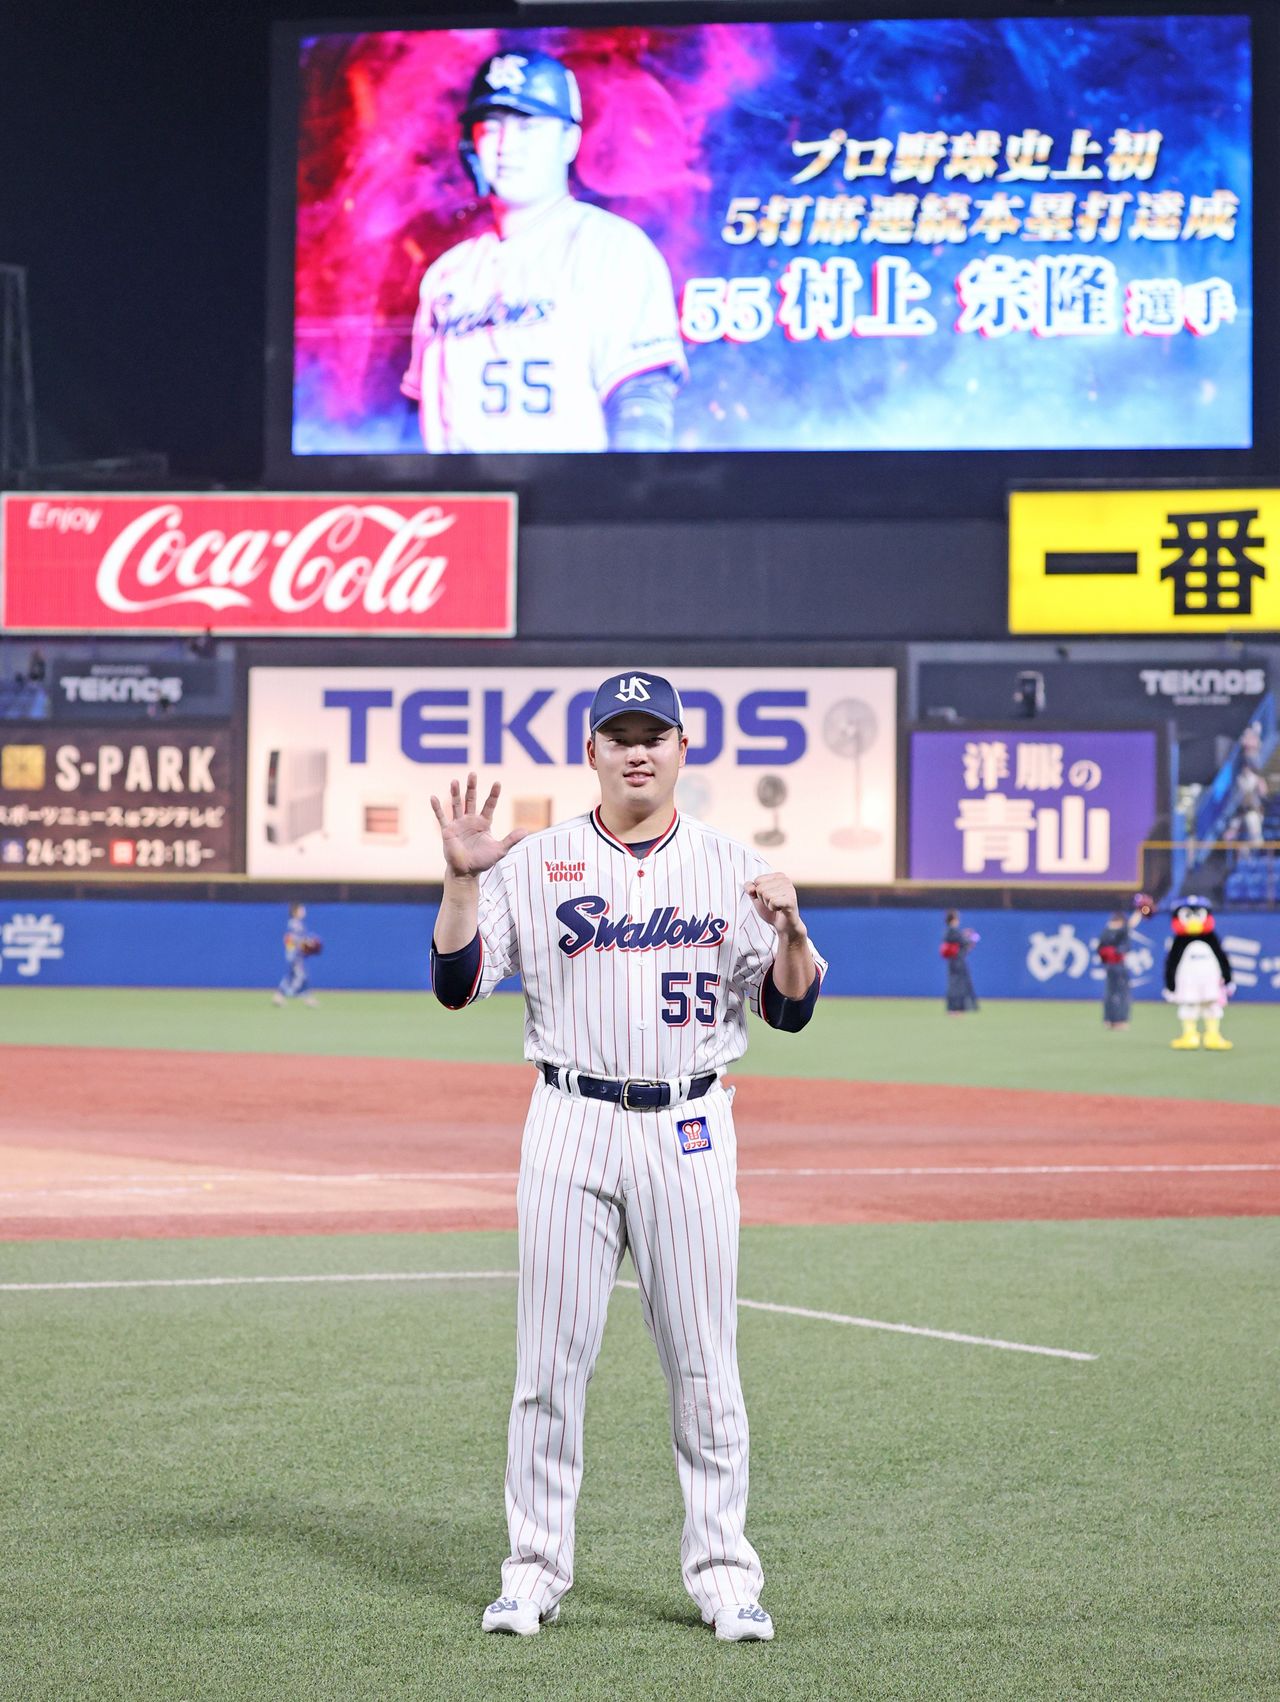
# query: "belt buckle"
[636,1081]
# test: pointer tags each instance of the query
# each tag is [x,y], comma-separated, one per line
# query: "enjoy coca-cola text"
[351,554]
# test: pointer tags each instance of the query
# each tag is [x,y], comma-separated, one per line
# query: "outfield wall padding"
[872,952]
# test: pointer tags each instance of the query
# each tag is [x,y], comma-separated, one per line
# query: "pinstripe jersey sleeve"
[757,943]
[499,940]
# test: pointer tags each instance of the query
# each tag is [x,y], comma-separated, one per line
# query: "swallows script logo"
[587,920]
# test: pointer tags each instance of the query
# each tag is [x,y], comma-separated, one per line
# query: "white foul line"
[489,1276]
[917,1330]
[1011,1170]
[242,1281]
[150,1185]
[901,1329]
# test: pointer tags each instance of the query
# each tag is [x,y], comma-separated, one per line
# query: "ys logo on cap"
[694,1134]
[508,72]
[634,690]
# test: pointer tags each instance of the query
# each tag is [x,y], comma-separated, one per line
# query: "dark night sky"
[134,188]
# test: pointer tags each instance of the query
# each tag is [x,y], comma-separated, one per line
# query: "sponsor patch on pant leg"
[694,1134]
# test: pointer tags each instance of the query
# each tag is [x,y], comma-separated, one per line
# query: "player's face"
[525,159]
[638,761]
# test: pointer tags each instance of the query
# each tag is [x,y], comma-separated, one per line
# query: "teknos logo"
[453,722]
[258,564]
[1203,685]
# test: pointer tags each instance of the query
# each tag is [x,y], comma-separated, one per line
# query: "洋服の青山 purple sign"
[1000,806]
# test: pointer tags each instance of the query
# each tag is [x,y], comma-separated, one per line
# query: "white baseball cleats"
[523,1619]
[743,1622]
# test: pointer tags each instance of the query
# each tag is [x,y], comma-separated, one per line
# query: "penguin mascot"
[1197,976]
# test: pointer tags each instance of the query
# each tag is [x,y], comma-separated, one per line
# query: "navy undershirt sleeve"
[454,973]
[788,1014]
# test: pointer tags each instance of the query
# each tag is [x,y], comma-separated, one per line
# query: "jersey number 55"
[676,1001]
[529,380]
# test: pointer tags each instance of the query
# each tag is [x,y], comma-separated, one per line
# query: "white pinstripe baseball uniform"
[633,967]
[518,341]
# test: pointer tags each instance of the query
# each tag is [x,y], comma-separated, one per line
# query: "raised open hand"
[469,844]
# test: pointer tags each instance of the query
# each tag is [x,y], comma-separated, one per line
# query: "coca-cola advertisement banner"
[439,565]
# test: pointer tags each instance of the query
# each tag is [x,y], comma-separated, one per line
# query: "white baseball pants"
[594,1181]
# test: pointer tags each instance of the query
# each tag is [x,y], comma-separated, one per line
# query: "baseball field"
[1008,1335]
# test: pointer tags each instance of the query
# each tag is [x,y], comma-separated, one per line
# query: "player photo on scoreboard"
[973,234]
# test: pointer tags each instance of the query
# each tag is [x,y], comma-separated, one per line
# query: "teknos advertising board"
[1203,697]
[439,565]
[343,762]
[1069,808]
[94,690]
[111,801]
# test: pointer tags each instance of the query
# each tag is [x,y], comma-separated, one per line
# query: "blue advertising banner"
[1039,954]
[1065,807]
[133,943]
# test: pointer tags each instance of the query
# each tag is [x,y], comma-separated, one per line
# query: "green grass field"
[293,1492]
[1061,1047]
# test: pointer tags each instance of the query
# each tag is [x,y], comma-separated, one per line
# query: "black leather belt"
[633,1094]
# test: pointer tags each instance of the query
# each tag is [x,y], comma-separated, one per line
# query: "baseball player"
[957,943]
[556,328]
[641,937]
[1114,943]
[294,984]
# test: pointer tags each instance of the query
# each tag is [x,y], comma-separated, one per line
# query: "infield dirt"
[163,1143]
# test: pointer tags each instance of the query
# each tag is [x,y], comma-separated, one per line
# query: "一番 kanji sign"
[1144,561]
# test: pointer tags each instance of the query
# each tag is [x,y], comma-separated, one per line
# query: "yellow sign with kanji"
[1168,561]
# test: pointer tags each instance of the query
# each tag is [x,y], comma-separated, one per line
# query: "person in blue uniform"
[295,984]
[1113,949]
[957,943]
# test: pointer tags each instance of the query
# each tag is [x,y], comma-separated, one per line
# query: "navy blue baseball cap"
[649,693]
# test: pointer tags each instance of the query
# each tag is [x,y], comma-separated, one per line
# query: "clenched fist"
[774,896]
